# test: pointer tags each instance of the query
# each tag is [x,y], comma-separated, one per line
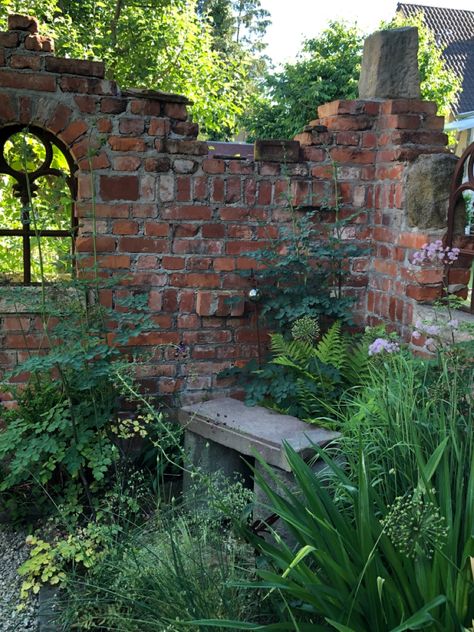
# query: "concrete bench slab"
[245,429]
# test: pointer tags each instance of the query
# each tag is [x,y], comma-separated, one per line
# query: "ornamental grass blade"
[421,618]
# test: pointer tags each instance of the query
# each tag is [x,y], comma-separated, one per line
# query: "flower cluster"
[431,329]
[415,526]
[382,344]
[305,329]
[434,252]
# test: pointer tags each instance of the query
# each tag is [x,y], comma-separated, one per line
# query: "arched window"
[37,190]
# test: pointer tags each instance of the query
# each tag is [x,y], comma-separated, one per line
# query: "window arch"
[37,192]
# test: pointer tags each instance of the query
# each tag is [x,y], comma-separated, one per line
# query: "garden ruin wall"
[181,224]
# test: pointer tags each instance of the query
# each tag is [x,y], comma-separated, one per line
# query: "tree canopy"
[328,68]
[170,45]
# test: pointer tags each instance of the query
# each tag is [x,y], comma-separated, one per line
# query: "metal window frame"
[25,186]
[463,180]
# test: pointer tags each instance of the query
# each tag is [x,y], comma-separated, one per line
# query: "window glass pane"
[56,254]
[11,260]
[10,205]
[52,204]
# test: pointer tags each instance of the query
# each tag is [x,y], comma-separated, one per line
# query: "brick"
[187,212]
[18,22]
[101,244]
[187,147]
[342,107]
[145,107]
[176,111]
[243,246]
[159,127]
[127,163]
[115,262]
[39,43]
[119,143]
[156,229]
[7,112]
[264,196]
[143,244]
[213,231]
[347,155]
[223,264]
[119,188]
[195,280]
[213,165]
[104,125]
[186,128]
[125,227]
[27,81]
[75,67]
[86,104]
[159,165]
[9,40]
[74,131]
[277,150]
[407,106]
[412,240]
[87,85]
[173,263]
[423,293]
[22,62]
[95,162]
[183,189]
[59,118]
[132,126]
[113,105]
[233,190]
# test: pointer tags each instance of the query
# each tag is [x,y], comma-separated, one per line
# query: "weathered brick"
[213,165]
[22,62]
[187,212]
[7,112]
[143,244]
[125,227]
[27,81]
[9,40]
[39,43]
[119,143]
[74,131]
[113,105]
[99,243]
[132,126]
[176,111]
[127,163]
[119,187]
[75,67]
[18,22]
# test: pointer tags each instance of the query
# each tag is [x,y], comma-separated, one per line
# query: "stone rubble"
[13,551]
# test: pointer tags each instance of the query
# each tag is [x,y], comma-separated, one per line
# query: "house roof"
[453,29]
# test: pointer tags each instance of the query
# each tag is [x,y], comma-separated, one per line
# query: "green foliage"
[307,379]
[159,44]
[327,69]
[385,535]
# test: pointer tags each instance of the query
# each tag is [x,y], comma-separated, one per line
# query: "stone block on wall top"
[427,189]
[390,65]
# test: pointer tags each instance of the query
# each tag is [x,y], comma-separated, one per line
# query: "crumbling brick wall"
[182,224]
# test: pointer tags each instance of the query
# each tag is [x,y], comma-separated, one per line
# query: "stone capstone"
[390,65]
[428,184]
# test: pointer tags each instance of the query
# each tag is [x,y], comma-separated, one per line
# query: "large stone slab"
[229,422]
[427,191]
[390,65]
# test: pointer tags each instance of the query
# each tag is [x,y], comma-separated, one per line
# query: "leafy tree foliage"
[328,68]
[160,44]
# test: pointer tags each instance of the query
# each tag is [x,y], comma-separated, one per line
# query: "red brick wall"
[182,224]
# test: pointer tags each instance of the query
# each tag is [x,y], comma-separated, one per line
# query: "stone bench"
[224,435]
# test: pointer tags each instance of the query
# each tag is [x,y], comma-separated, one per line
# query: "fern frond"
[356,368]
[332,348]
[298,351]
